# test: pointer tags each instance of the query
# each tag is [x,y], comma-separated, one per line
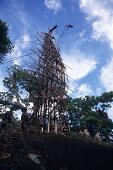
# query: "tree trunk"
[55,128]
[48,126]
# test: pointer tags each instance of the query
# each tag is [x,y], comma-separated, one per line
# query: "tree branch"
[15,87]
[14,104]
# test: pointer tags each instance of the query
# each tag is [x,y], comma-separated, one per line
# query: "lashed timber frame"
[50,75]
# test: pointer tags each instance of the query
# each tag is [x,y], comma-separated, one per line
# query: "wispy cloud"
[84,90]
[72,87]
[18,20]
[98,91]
[19,13]
[106,76]
[2,88]
[110,112]
[82,33]
[100,14]
[78,65]
[53,4]
[21,44]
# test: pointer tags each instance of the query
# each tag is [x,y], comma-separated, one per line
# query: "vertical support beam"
[69,128]
[55,129]
[42,129]
[48,125]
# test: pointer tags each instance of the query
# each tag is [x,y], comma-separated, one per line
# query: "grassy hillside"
[55,152]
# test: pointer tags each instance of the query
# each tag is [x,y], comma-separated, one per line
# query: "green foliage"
[6,96]
[6,45]
[20,76]
[88,112]
[26,82]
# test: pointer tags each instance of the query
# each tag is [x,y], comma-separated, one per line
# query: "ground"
[54,152]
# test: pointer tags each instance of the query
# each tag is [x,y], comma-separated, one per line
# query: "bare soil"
[55,152]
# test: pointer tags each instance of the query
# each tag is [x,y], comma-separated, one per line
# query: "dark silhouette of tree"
[6,45]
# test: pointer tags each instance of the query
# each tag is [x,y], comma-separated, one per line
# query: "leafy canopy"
[6,45]
[89,112]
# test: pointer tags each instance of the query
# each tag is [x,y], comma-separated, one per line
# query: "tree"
[18,83]
[89,112]
[6,45]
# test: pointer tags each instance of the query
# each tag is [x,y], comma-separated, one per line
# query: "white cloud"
[19,20]
[78,90]
[99,91]
[79,65]
[84,90]
[110,112]
[82,33]
[107,76]
[2,88]
[25,38]
[72,86]
[19,47]
[53,4]
[101,15]
[18,12]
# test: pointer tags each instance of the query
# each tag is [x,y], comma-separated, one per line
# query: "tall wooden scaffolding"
[50,79]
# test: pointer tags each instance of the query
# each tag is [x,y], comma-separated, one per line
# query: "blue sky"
[87,48]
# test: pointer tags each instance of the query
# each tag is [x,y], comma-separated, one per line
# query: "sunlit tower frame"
[52,80]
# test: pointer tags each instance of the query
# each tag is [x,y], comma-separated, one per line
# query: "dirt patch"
[54,152]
